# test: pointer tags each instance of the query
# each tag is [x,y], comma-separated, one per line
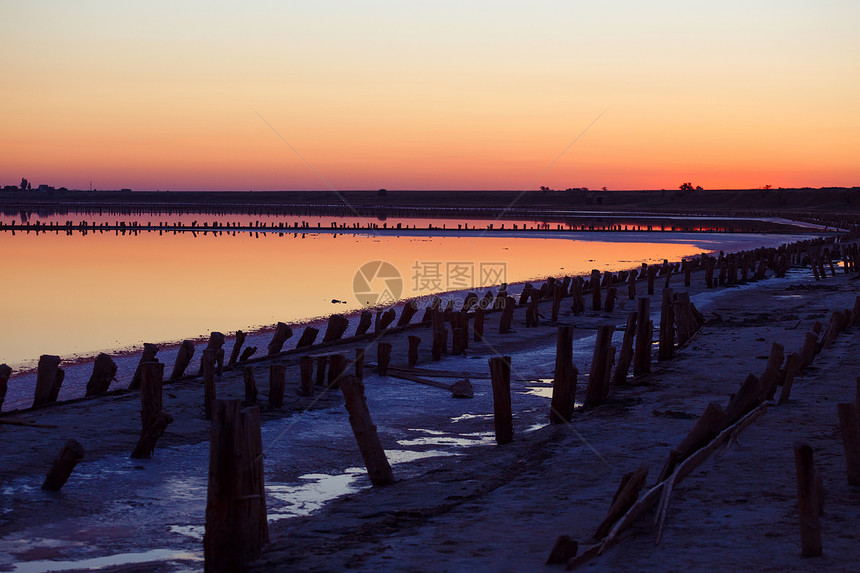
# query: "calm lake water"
[78,294]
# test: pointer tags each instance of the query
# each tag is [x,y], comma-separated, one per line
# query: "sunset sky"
[429,95]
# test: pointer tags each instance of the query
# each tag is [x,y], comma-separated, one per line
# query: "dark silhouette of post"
[236,526]
[500,374]
[378,468]
[564,381]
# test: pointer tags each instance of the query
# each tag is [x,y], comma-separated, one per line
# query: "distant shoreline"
[747,202]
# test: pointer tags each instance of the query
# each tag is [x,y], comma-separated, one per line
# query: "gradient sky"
[429,95]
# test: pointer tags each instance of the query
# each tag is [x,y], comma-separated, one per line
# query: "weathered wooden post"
[850,429]
[409,310]
[236,526]
[625,497]
[414,341]
[771,376]
[557,295]
[250,385]
[577,306]
[611,295]
[308,337]
[104,372]
[386,319]
[598,378]
[337,325]
[595,290]
[532,319]
[666,348]
[5,373]
[306,367]
[651,275]
[625,357]
[808,502]
[383,357]
[500,374]
[49,378]
[378,468]
[149,352]
[642,354]
[153,420]
[183,359]
[631,284]
[687,271]
[359,363]
[216,342]
[564,380]
[280,336]
[208,364]
[247,353]
[792,367]
[321,372]
[440,343]
[709,272]
[507,317]
[277,384]
[71,453]
[479,323]
[364,321]
[237,347]
[527,291]
[336,369]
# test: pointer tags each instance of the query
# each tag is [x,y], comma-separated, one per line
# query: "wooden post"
[595,290]
[306,367]
[364,322]
[532,313]
[378,468]
[183,359]
[500,374]
[651,275]
[237,347]
[507,317]
[308,337]
[687,270]
[336,369]
[216,341]
[277,383]
[625,357]
[565,548]
[557,295]
[611,295]
[250,384]
[71,453]
[104,372]
[706,428]
[149,352]
[745,399]
[792,366]
[642,354]
[383,357]
[236,526]
[577,306]
[386,319]
[247,353]
[359,363]
[321,375]
[409,310]
[208,360]
[337,325]
[153,420]
[598,378]
[666,348]
[5,373]
[524,296]
[808,502]
[479,323]
[564,381]
[709,272]
[770,378]
[49,378]
[414,341]
[440,342]
[279,337]
[850,429]
[631,284]
[624,499]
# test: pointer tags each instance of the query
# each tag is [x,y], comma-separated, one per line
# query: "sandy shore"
[461,502]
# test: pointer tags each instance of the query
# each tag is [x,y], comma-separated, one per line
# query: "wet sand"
[462,502]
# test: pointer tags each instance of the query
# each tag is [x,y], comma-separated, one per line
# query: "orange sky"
[438,95]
